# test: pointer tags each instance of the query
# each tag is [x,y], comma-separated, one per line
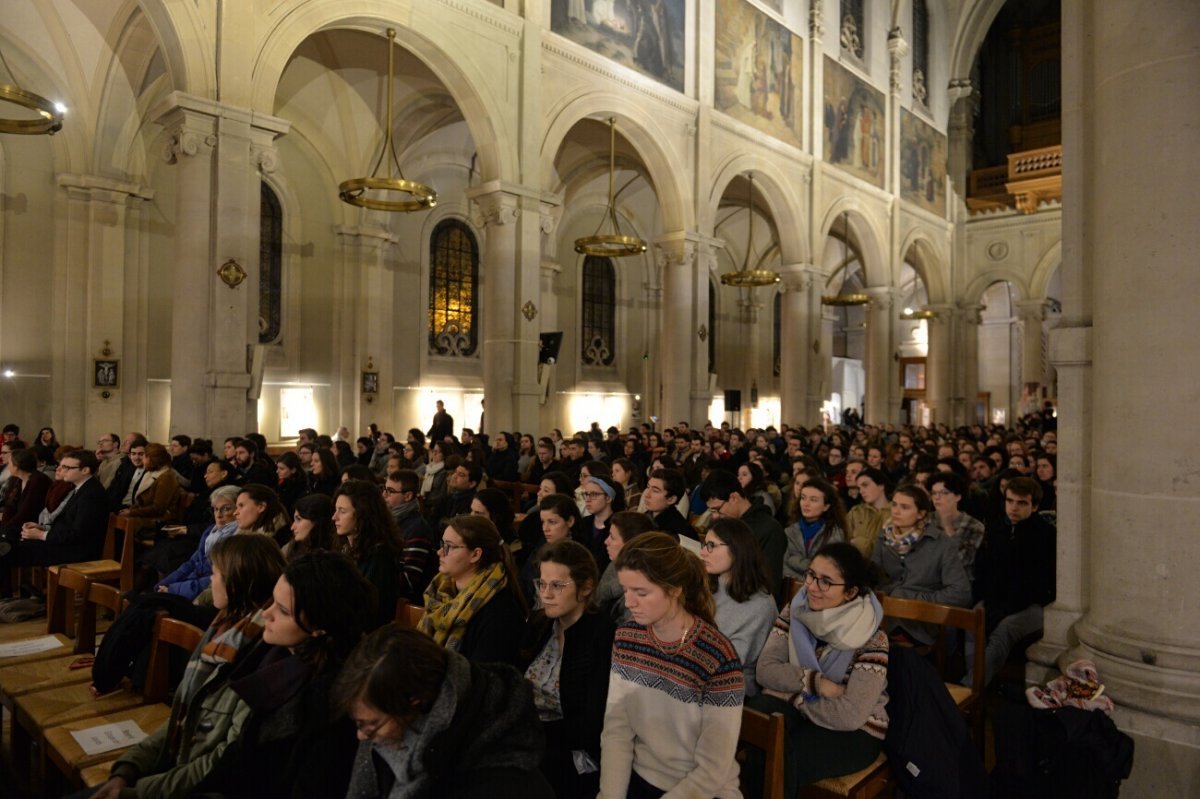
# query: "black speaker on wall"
[548,346]
[733,400]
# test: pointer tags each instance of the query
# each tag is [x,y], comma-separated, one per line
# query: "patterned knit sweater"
[862,703]
[673,718]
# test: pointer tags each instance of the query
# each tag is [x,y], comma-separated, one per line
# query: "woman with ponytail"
[292,745]
[675,690]
[473,605]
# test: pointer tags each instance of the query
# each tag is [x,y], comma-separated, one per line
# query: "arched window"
[598,331]
[777,345]
[852,30]
[270,267]
[453,289]
[712,328]
[920,51]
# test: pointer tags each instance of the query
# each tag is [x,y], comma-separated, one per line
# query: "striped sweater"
[862,703]
[672,718]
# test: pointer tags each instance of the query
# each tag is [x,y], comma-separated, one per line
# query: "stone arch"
[121,112]
[497,149]
[865,231]
[783,203]
[1039,281]
[929,264]
[973,293]
[968,38]
[643,133]
[181,32]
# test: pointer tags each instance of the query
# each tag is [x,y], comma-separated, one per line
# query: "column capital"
[193,123]
[942,313]
[682,248]
[971,314]
[897,49]
[816,21]
[882,297]
[499,203]
[959,88]
[1031,310]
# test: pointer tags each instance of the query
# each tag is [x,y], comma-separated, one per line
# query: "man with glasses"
[108,452]
[6,450]
[723,497]
[420,551]
[77,532]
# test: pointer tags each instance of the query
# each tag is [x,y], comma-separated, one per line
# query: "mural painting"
[646,35]
[854,124]
[758,70]
[922,163]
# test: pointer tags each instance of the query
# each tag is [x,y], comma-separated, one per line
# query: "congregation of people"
[596,609]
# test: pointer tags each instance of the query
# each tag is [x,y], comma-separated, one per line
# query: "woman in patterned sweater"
[675,691]
[824,667]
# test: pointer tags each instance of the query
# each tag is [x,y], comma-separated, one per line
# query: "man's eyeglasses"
[447,546]
[824,583]
[554,588]
[391,492]
[223,510]
[715,510]
[67,468]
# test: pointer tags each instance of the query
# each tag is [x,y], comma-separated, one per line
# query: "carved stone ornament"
[452,341]
[529,310]
[702,333]
[266,158]
[816,21]
[920,91]
[231,273]
[597,352]
[850,40]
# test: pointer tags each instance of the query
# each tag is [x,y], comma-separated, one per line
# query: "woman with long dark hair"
[324,474]
[293,483]
[819,521]
[312,527]
[367,533]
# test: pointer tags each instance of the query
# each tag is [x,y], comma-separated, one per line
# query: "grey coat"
[931,571]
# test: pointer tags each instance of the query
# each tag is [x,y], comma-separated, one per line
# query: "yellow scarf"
[448,610]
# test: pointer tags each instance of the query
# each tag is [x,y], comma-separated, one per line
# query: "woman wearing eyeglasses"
[824,667]
[565,656]
[737,577]
[191,578]
[367,532]
[433,724]
[473,604]
[601,499]
[675,690]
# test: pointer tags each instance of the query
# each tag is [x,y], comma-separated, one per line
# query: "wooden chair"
[64,751]
[97,775]
[105,570]
[412,616]
[971,701]
[875,780]
[766,733]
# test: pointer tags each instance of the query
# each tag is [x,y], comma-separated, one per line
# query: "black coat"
[494,633]
[293,744]
[76,535]
[672,521]
[1016,566]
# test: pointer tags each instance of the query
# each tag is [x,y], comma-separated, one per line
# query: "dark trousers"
[812,753]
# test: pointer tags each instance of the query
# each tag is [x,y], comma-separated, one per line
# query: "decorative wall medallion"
[529,310]
[997,251]
[231,273]
[702,333]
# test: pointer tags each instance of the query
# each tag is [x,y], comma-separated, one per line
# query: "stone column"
[365,341]
[685,259]
[795,338]
[1032,314]
[961,133]
[511,272]
[549,271]
[218,151]
[937,364]
[1140,627]
[105,277]
[880,368]
[968,321]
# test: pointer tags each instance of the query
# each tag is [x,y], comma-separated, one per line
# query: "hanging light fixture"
[911,315]
[615,244]
[354,191]
[844,299]
[747,277]
[49,119]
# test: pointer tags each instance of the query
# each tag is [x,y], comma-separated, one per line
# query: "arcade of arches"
[185,224]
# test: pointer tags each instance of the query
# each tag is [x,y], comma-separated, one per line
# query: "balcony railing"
[1031,177]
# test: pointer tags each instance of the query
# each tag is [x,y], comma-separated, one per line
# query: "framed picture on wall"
[370,382]
[106,373]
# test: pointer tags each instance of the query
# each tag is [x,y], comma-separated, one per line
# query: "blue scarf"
[842,630]
[810,530]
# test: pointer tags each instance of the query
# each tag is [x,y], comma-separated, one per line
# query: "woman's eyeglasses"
[447,546]
[824,583]
[554,588]
[709,546]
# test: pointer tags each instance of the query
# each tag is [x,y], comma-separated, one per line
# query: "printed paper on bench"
[29,647]
[107,737]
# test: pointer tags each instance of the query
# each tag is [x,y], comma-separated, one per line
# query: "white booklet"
[29,647]
[107,737]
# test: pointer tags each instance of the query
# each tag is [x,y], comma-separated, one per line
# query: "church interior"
[930,211]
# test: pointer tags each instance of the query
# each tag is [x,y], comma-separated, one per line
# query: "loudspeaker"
[733,400]
[548,346]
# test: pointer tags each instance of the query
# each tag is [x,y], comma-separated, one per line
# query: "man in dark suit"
[443,424]
[77,533]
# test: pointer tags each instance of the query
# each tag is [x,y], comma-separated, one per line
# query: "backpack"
[1061,753]
[125,649]
[928,744]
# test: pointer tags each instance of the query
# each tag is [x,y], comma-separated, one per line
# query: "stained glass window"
[453,289]
[599,312]
[270,267]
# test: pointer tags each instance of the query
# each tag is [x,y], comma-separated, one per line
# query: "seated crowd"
[596,609]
